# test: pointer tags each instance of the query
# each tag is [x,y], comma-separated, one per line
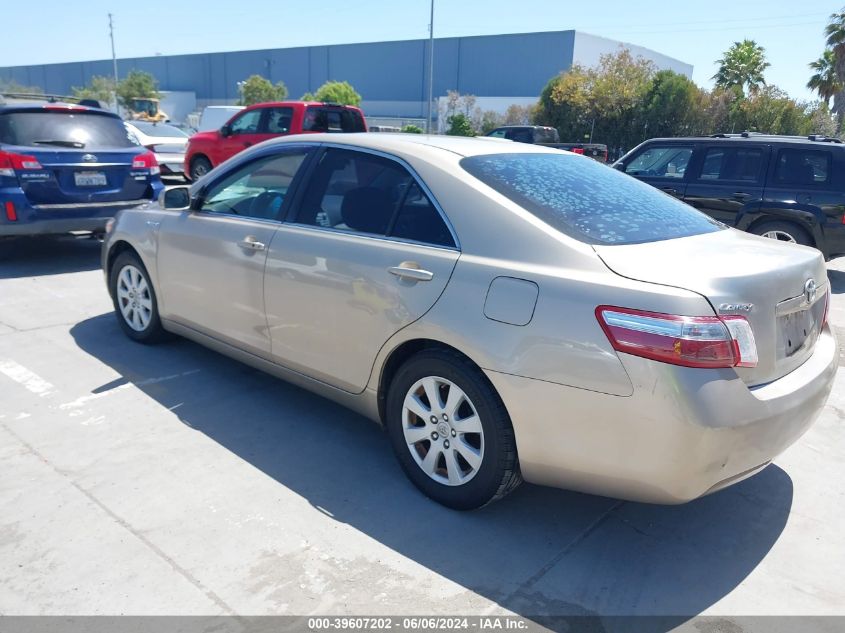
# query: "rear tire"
[460,449]
[134,299]
[783,232]
[200,166]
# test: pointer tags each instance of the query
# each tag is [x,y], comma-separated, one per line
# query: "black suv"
[785,187]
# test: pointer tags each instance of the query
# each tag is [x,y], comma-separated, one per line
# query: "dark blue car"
[68,168]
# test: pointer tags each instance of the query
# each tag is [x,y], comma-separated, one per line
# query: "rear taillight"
[9,163]
[11,212]
[826,306]
[681,340]
[147,160]
[577,150]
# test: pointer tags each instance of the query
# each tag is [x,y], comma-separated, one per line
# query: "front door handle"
[247,143]
[670,190]
[250,243]
[411,271]
[741,195]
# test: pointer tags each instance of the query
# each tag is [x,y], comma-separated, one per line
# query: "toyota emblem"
[89,158]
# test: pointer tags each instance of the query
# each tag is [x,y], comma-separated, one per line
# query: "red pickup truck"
[263,121]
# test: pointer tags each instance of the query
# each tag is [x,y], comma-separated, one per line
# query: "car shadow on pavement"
[37,256]
[540,552]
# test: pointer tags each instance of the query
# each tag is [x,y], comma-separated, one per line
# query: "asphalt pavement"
[172,480]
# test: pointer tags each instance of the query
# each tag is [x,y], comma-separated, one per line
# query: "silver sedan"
[505,311]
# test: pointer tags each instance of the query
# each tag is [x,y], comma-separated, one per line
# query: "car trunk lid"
[76,176]
[765,281]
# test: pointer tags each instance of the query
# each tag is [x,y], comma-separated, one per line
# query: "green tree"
[772,111]
[835,34]
[136,85]
[619,88]
[517,115]
[459,125]
[489,120]
[742,66]
[13,86]
[99,88]
[340,92]
[824,80]
[670,106]
[256,89]
[565,103]
[412,129]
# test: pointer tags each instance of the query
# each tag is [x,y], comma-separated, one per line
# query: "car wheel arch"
[123,246]
[811,228]
[402,353]
[116,249]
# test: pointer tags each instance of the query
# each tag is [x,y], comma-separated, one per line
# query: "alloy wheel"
[134,298]
[781,236]
[443,431]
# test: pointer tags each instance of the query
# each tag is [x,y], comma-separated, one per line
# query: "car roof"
[752,137]
[296,103]
[52,107]
[522,127]
[414,143]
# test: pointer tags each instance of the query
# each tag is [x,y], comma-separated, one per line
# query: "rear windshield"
[320,119]
[586,200]
[63,129]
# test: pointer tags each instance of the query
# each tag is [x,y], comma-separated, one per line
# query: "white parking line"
[21,375]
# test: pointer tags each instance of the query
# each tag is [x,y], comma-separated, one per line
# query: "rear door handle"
[250,243]
[410,270]
[247,143]
[671,191]
[741,195]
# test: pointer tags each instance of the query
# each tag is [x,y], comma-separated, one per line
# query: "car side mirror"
[175,199]
[225,131]
[619,166]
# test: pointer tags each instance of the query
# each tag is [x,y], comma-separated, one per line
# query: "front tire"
[450,431]
[200,166]
[134,299]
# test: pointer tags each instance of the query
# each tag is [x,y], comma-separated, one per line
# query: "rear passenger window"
[419,220]
[732,163]
[802,167]
[659,161]
[278,120]
[363,193]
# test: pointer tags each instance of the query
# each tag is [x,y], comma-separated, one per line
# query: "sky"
[694,32]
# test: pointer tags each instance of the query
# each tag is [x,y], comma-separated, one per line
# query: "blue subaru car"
[68,168]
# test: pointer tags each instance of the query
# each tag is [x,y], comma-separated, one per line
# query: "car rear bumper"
[62,218]
[682,434]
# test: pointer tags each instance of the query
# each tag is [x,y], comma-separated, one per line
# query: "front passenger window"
[247,123]
[258,189]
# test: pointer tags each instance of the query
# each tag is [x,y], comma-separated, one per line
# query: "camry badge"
[810,289]
[89,158]
[735,307]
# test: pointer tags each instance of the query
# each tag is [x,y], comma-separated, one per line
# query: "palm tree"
[835,32]
[742,65]
[824,80]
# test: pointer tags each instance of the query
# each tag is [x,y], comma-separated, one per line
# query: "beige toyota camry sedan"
[505,311]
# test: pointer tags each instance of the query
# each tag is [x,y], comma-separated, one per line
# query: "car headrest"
[367,209]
